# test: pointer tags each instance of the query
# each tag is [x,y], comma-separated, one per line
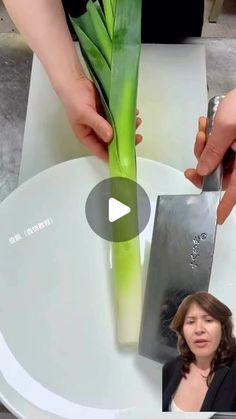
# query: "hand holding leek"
[85,113]
[49,38]
[110,40]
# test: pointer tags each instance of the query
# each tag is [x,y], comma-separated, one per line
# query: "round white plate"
[58,352]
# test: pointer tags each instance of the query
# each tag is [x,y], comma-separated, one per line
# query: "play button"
[117,209]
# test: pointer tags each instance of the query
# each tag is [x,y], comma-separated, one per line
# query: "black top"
[167,22]
[221,395]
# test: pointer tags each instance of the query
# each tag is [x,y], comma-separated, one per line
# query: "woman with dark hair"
[203,377]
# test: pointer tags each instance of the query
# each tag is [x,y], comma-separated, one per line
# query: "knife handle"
[213,182]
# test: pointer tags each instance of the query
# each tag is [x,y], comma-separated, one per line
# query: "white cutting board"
[58,351]
[172,94]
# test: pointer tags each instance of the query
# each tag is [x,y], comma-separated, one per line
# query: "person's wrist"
[66,73]
[66,84]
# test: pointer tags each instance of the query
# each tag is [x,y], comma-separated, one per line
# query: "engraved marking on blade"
[195,249]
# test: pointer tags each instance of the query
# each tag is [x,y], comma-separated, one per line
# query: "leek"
[110,43]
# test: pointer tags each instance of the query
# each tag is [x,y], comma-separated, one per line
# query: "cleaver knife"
[181,257]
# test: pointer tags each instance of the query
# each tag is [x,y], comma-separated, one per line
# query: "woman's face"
[202,332]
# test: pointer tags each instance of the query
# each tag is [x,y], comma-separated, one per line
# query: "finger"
[226,205]
[193,176]
[200,144]
[218,142]
[98,124]
[229,199]
[211,156]
[138,122]
[138,139]
[96,146]
[202,124]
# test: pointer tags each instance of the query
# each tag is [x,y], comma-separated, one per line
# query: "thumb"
[221,137]
[98,124]
[212,154]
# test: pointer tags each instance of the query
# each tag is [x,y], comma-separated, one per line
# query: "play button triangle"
[117,210]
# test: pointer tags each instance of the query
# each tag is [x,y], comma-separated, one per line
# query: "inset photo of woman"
[203,376]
